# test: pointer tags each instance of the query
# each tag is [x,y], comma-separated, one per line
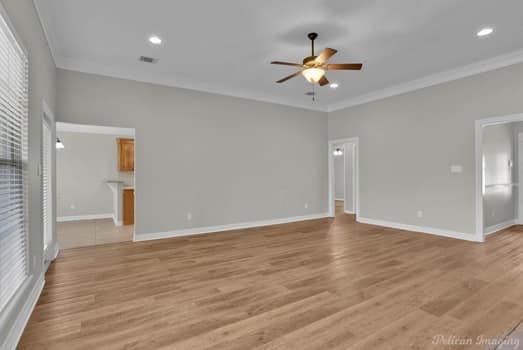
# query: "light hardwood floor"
[323,284]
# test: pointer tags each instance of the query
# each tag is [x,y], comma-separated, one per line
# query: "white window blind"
[47,143]
[13,165]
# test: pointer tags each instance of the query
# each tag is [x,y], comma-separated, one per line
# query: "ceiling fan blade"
[345,66]
[287,63]
[325,55]
[289,77]
[323,81]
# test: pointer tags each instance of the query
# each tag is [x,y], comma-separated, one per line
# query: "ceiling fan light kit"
[313,75]
[314,67]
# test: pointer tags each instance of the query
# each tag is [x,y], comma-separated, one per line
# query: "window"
[13,165]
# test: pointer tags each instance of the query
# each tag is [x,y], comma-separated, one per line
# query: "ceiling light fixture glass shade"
[313,75]
[59,144]
[338,152]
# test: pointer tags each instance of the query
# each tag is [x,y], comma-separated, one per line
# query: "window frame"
[9,310]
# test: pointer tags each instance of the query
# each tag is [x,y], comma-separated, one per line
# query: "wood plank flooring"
[323,284]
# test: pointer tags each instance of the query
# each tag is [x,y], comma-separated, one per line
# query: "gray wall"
[500,195]
[408,143]
[339,175]
[42,75]
[82,167]
[206,154]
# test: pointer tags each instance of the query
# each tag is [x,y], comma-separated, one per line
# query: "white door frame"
[479,125]
[48,117]
[104,130]
[355,175]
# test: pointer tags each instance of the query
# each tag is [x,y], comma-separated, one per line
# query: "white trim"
[85,217]
[420,83]
[499,227]
[474,68]
[47,111]
[180,82]
[433,79]
[340,199]
[94,129]
[221,228]
[379,94]
[349,212]
[53,254]
[49,118]
[420,229]
[50,256]
[15,333]
[478,131]
[355,171]
[45,29]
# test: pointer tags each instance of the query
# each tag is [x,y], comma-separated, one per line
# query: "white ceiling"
[225,46]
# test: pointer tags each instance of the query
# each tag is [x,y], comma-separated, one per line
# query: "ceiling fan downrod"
[312,36]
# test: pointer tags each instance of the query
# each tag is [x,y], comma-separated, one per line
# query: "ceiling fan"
[314,67]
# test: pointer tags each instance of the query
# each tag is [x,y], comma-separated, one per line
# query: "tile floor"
[73,234]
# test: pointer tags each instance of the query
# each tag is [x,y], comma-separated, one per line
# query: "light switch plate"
[456,169]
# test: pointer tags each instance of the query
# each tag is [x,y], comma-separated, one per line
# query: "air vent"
[148,59]
[310,93]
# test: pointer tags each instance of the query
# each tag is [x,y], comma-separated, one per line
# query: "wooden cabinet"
[125,154]
[128,206]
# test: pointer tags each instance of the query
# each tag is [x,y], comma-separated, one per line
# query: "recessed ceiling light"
[334,85]
[155,40]
[485,31]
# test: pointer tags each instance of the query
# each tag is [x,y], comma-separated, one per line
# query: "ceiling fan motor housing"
[309,61]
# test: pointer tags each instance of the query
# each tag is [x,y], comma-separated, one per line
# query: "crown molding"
[417,84]
[433,79]
[45,29]
[94,129]
[427,81]
[172,81]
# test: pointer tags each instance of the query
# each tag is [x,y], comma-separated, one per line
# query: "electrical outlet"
[306,205]
[189,216]
[419,213]
[73,206]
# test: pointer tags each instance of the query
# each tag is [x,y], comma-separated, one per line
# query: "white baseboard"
[498,227]
[84,217]
[221,228]
[15,333]
[340,199]
[421,229]
[51,254]
[349,212]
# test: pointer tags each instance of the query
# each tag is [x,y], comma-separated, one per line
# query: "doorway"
[498,154]
[343,176]
[95,172]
